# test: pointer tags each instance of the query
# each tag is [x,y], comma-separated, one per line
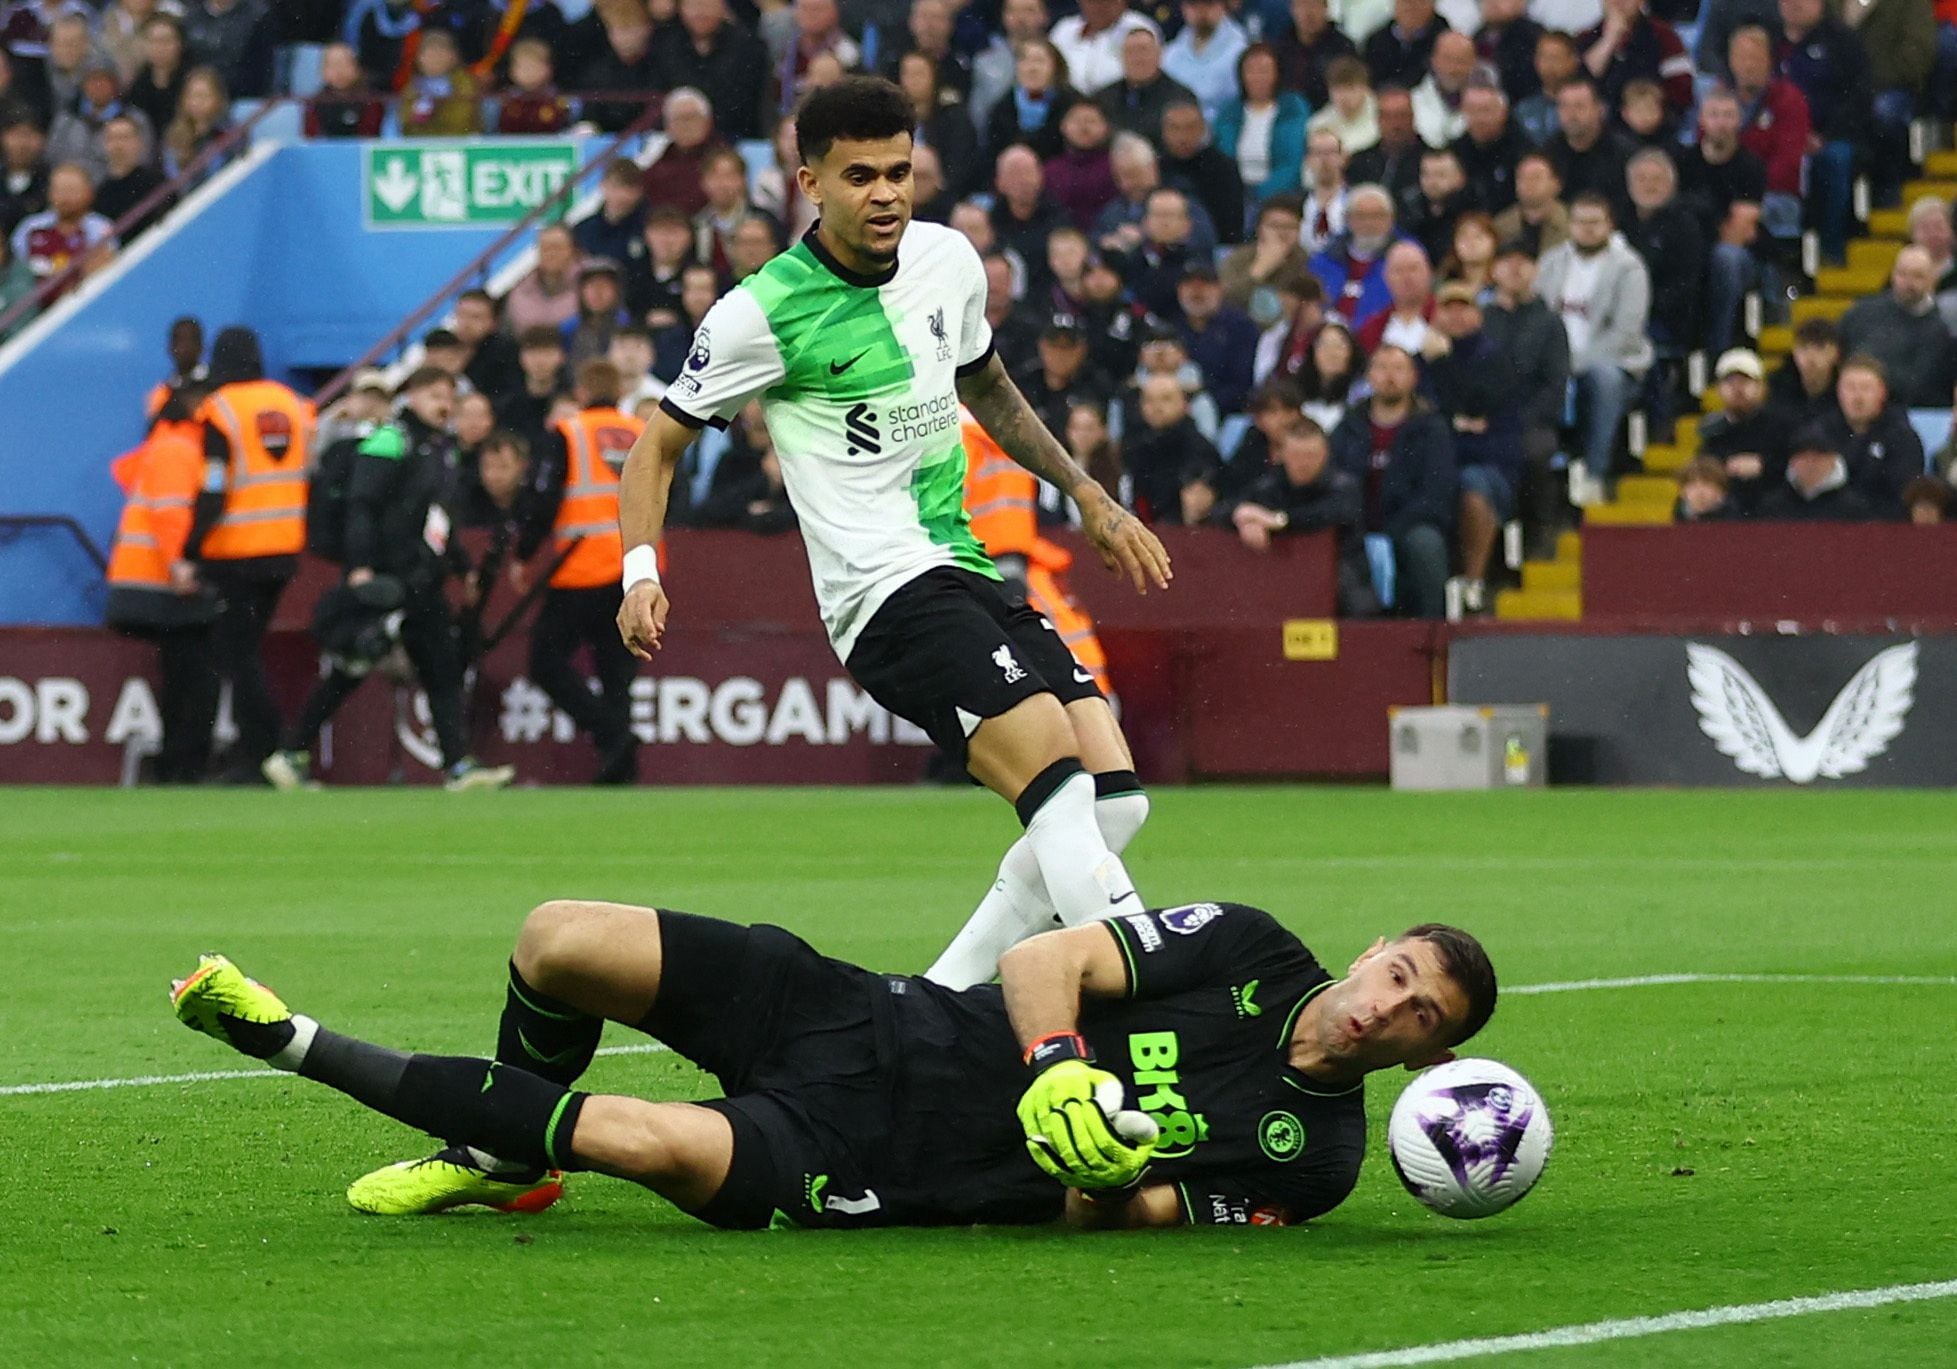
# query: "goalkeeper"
[861,1099]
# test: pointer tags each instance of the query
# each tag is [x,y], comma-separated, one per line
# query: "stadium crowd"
[1402,272]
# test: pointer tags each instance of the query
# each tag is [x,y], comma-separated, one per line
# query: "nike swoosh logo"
[542,1058]
[1082,677]
[837,368]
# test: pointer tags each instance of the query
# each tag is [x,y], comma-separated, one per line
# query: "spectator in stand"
[1097,453]
[441,348]
[633,352]
[1351,113]
[1642,110]
[531,104]
[1928,500]
[623,65]
[1749,438]
[473,422]
[383,32]
[1137,175]
[1599,286]
[1221,340]
[1506,41]
[1065,291]
[17,282]
[68,233]
[1273,411]
[440,100]
[777,191]
[1401,453]
[1406,319]
[724,179]
[1284,347]
[21,85]
[130,177]
[1824,59]
[756,242]
[1589,155]
[601,311]
[1472,380]
[1817,487]
[712,52]
[1900,37]
[1702,493]
[1774,127]
[653,266]
[1470,258]
[1902,329]
[1307,48]
[236,38]
[1154,269]
[1352,268]
[1557,64]
[1327,196]
[1666,234]
[23,167]
[1203,57]
[1393,161]
[548,296]
[1301,491]
[1190,161]
[1727,184]
[942,121]
[1397,53]
[70,49]
[540,356]
[1802,391]
[1271,260]
[345,106]
[673,178]
[1164,353]
[1330,375]
[203,119]
[818,32]
[619,221]
[994,66]
[488,360]
[1113,318]
[1437,112]
[1065,375]
[1092,42]
[1489,146]
[1022,212]
[1538,345]
[932,31]
[1630,45]
[1263,129]
[747,492]
[119,32]
[1429,214]
[1931,228]
[1720,18]
[1882,449]
[77,132]
[1137,101]
[1030,111]
[157,86]
[1168,460]
[1081,178]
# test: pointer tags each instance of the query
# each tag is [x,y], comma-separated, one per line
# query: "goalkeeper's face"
[1397,1006]
[863,189]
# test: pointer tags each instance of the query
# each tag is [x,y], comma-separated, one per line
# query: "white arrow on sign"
[396,185]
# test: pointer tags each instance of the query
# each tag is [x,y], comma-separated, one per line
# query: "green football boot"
[451,1178]
[221,1002]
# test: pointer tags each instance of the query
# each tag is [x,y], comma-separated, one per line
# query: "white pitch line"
[1629,1328]
[213,1076]
[651,1048]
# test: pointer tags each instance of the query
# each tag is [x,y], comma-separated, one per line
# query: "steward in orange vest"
[153,592]
[1001,497]
[186,347]
[577,480]
[249,526]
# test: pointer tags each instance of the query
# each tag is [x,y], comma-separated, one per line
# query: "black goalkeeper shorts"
[796,1042]
[949,650]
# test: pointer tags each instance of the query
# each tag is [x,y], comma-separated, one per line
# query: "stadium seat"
[1933,426]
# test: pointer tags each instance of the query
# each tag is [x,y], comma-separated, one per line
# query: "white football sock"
[1084,879]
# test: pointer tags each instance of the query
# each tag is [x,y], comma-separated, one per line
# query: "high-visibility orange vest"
[154,401]
[596,443]
[1001,496]
[270,430]
[161,479]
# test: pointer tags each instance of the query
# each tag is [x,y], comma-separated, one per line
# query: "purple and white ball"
[1469,1138]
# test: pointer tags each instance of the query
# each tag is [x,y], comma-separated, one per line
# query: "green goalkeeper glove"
[1067,1134]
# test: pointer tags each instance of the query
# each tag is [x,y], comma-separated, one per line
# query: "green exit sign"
[460,185]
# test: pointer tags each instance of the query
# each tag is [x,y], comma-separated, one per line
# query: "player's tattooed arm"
[1126,546]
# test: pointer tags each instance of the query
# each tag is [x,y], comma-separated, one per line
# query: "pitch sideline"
[1630,1328]
[654,1048]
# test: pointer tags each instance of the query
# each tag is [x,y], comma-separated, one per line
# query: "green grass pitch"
[1717,1143]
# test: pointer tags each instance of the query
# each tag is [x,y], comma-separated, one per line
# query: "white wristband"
[641,563]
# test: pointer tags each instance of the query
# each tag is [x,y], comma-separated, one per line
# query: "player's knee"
[1120,817]
[550,940]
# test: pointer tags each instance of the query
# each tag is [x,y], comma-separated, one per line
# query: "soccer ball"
[1469,1138]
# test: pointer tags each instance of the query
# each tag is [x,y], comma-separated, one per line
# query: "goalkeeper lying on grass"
[861,1099]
